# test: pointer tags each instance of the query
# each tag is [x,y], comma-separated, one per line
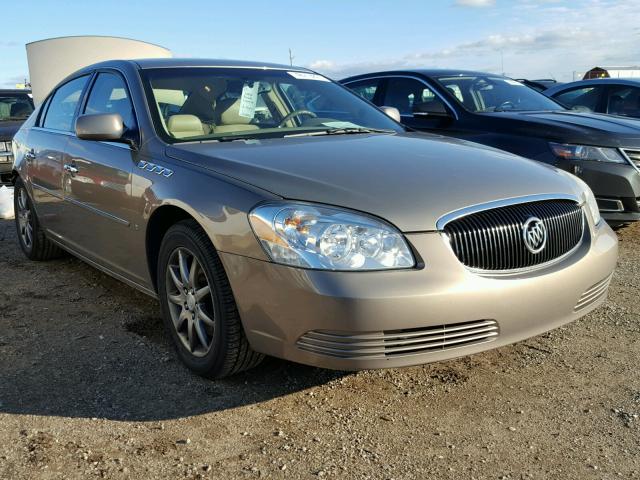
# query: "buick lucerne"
[273,211]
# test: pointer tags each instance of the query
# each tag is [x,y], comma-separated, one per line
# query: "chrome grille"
[392,343]
[593,294]
[492,240]
[633,155]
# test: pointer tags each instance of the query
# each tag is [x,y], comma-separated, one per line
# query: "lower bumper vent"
[394,343]
[593,294]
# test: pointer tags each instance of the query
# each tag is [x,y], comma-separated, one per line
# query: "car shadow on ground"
[76,343]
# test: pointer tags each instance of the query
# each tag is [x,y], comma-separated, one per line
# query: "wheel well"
[161,220]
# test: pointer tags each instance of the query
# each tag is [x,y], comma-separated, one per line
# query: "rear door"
[48,141]
[97,184]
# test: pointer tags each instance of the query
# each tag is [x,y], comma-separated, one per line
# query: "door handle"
[30,155]
[72,169]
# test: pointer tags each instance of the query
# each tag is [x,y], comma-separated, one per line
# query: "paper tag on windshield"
[513,82]
[308,76]
[249,100]
[340,125]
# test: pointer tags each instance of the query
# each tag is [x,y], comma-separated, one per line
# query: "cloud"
[475,3]
[543,44]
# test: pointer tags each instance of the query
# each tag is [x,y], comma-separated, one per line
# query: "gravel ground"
[90,388]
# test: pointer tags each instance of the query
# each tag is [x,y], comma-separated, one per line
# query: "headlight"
[586,152]
[328,238]
[590,201]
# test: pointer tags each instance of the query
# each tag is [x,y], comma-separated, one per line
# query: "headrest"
[229,113]
[185,126]
[20,109]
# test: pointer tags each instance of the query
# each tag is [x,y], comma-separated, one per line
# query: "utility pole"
[291,57]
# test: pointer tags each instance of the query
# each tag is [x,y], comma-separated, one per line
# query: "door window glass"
[407,93]
[366,89]
[586,97]
[63,105]
[623,100]
[109,95]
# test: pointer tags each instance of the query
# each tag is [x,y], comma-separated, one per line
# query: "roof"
[205,62]
[427,72]
[634,82]
[14,90]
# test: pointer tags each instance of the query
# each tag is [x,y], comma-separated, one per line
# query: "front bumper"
[616,187]
[280,305]
[6,162]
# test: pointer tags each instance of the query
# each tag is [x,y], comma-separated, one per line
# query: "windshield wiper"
[342,131]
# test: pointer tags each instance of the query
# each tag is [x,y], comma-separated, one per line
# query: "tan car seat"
[184,126]
[229,119]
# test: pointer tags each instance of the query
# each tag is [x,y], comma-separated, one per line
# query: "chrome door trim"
[37,186]
[413,77]
[97,211]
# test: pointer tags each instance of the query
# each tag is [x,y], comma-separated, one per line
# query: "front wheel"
[31,237]
[198,307]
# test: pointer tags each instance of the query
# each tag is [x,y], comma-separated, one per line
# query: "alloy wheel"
[190,302]
[25,219]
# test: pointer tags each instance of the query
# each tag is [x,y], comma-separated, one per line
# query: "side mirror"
[101,127]
[392,112]
[433,108]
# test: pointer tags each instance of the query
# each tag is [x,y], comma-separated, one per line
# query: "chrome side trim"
[155,168]
[421,80]
[46,190]
[102,213]
[618,203]
[626,157]
[463,212]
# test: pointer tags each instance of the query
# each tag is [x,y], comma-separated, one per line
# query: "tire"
[193,318]
[31,237]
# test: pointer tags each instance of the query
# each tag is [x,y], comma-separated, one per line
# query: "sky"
[521,38]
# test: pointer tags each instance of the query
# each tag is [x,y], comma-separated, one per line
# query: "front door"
[97,186]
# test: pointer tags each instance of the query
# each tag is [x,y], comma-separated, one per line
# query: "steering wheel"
[296,113]
[508,105]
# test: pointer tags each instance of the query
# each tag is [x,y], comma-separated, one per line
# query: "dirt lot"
[90,388]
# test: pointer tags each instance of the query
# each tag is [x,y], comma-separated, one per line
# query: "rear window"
[15,106]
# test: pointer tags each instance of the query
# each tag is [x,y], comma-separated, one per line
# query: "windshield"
[226,103]
[16,106]
[481,94]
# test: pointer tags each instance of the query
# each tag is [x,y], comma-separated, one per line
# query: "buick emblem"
[534,234]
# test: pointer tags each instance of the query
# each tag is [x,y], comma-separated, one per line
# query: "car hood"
[567,126]
[410,180]
[9,128]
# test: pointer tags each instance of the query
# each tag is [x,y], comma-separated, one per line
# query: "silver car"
[271,211]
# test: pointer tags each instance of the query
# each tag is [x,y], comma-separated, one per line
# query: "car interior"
[213,105]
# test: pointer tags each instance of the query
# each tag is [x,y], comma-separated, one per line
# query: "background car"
[606,95]
[15,107]
[500,112]
[272,211]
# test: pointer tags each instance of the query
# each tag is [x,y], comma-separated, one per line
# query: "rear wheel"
[31,237]
[198,307]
